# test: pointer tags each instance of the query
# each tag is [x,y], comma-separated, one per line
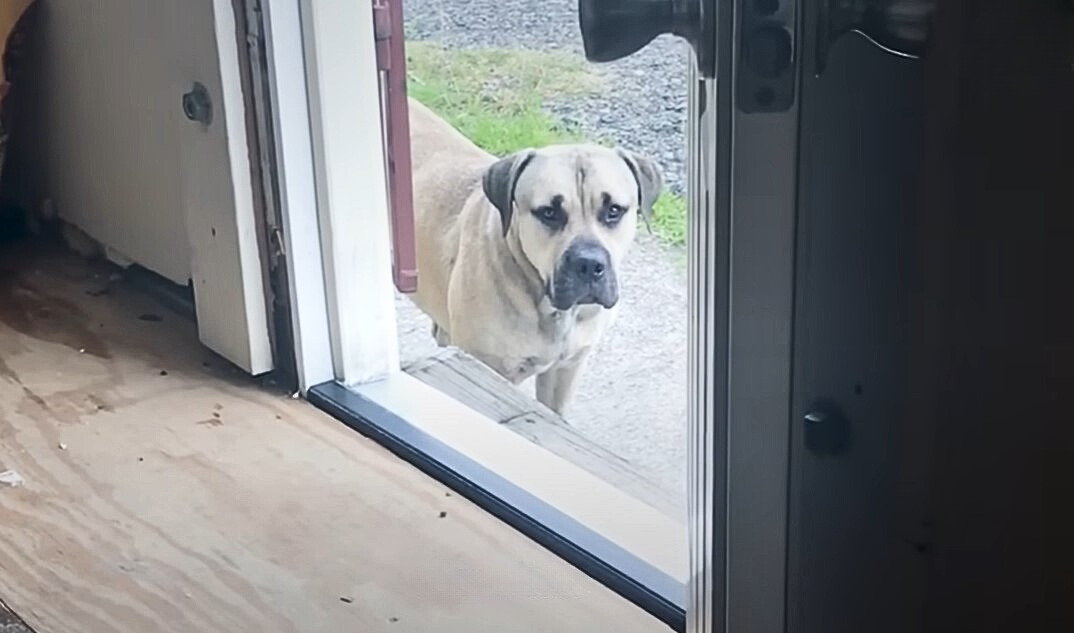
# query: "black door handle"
[613,29]
[827,430]
[197,105]
[899,27]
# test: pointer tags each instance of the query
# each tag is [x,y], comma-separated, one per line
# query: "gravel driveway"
[632,399]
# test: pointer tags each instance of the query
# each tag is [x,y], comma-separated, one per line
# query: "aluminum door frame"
[743,191]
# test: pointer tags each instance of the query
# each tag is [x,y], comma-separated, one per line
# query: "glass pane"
[512,79]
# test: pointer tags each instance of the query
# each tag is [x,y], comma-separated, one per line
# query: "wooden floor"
[163,492]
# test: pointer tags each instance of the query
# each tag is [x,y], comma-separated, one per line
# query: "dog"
[519,256]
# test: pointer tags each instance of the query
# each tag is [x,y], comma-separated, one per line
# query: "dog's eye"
[551,216]
[612,214]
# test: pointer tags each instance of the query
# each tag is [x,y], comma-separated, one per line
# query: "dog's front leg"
[556,387]
[443,339]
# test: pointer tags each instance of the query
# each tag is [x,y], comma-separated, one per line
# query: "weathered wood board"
[464,378]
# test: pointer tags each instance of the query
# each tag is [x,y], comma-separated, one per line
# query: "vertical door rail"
[391,63]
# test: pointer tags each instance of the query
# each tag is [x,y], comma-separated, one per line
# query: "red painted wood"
[391,61]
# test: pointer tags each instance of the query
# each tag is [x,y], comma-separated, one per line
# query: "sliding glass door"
[805,146]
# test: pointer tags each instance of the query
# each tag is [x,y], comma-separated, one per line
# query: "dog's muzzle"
[584,275]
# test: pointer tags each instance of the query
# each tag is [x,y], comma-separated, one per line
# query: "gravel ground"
[10,623]
[632,399]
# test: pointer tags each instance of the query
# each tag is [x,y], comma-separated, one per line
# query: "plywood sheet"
[164,492]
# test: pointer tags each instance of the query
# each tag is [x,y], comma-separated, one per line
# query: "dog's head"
[575,211]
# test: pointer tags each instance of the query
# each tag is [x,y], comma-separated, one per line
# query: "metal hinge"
[253,19]
[278,249]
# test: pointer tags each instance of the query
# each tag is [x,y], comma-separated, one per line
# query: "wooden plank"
[164,491]
[466,379]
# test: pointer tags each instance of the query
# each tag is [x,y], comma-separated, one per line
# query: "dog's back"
[447,167]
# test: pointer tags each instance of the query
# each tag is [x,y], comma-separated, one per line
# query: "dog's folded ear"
[650,179]
[500,179]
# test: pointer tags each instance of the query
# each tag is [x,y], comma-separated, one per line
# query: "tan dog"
[519,256]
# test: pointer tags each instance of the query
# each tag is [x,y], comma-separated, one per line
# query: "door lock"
[766,71]
[613,29]
[768,50]
[197,106]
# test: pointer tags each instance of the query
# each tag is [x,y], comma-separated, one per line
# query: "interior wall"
[993,359]
[107,111]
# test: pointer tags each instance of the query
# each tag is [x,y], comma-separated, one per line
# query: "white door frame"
[333,179]
[351,173]
[297,185]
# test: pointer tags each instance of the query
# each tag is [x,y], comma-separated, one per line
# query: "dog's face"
[575,211]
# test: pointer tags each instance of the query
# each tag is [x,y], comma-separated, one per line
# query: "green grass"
[669,218]
[494,96]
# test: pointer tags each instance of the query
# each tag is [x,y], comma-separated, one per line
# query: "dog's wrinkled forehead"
[580,177]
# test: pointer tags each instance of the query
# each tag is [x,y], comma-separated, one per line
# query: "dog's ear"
[650,178]
[500,179]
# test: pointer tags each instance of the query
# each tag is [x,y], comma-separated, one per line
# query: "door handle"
[827,430]
[899,27]
[197,105]
[613,29]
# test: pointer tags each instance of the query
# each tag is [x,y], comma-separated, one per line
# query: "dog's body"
[518,256]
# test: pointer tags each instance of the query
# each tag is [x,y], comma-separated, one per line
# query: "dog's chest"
[559,339]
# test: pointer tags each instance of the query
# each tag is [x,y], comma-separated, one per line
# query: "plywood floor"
[163,492]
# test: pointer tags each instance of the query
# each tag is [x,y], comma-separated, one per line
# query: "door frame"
[743,197]
[329,168]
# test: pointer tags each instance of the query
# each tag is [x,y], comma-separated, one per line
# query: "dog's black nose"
[587,261]
[584,275]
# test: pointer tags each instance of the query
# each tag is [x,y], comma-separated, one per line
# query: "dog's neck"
[525,270]
[535,287]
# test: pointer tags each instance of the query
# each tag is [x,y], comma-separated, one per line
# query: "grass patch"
[494,97]
[669,218]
